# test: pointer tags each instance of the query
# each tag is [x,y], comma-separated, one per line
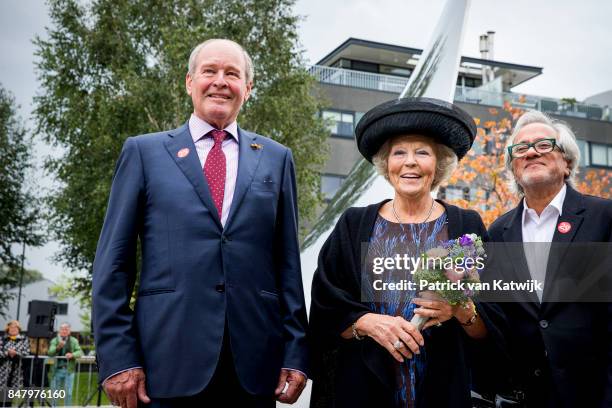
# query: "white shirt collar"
[199,128]
[556,203]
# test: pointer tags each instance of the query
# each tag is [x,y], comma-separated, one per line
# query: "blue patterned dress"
[388,239]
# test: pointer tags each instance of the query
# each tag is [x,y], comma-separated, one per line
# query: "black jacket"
[560,351]
[360,373]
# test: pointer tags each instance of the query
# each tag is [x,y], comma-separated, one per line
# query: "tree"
[116,68]
[29,276]
[9,279]
[483,169]
[18,207]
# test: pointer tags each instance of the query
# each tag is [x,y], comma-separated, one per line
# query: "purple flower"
[465,240]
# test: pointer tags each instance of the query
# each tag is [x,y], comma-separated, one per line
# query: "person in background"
[67,349]
[14,346]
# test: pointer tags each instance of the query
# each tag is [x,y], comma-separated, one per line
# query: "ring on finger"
[398,344]
[439,324]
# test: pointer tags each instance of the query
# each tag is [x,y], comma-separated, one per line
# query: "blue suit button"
[543,324]
[220,288]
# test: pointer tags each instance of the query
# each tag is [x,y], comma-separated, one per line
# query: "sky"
[570,40]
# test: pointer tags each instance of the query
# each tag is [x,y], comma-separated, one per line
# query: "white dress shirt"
[204,144]
[538,232]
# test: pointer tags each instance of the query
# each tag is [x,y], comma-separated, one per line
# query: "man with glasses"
[560,347]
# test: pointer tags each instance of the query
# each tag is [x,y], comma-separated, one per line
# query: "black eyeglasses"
[541,146]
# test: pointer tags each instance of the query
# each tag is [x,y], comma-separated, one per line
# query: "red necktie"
[214,169]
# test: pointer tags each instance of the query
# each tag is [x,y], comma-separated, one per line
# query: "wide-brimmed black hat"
[444,122]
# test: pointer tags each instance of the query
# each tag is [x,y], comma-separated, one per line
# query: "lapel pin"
[182,153]
[564,227]
[256,146]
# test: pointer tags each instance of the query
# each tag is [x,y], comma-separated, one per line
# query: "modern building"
[359,74]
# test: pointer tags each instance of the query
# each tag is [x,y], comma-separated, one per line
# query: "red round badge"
[183,152]
[564,227]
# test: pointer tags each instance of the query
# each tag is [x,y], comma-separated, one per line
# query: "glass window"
[331,119]
[477,147]
[62,309]
[330,184]
[364,66]
[599,154]
[358,116]
[339,123]
[473,193]
[584,153]
[469,81]
[609,155]
[454,193]
[342,63]
[399,71]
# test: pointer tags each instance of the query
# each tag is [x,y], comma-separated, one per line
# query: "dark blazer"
[351,373]
[560,351]
[196,274]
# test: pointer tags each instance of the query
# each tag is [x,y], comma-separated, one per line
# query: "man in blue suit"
[220,316]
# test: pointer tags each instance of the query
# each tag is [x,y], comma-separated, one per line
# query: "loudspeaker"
[42,317]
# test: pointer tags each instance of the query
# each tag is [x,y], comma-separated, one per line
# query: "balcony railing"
[359,79]
[549,105]
[395,84]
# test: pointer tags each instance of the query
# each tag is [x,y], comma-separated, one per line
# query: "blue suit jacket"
[196,274]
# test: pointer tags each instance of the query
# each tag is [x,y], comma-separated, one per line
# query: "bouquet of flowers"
[451,272]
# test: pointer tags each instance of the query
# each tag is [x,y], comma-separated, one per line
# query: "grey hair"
[565,139]
[65,324]
[250,73]
[446,161]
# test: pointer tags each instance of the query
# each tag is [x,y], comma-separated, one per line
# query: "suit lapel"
[572,207]
[248,160]
[180,140]
[513,236]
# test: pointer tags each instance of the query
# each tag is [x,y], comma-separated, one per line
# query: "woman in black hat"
[366,351]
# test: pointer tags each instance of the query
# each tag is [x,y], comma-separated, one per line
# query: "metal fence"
[395,84]
[50,381]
